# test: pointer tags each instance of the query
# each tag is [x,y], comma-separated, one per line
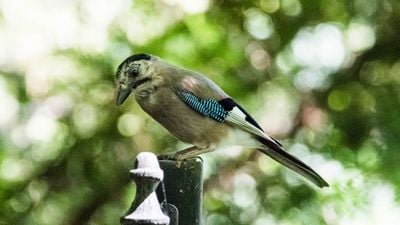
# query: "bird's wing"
[223,110]
[237,116]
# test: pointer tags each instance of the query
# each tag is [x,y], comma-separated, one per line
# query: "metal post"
[183,188]
[180,193]
[145,209]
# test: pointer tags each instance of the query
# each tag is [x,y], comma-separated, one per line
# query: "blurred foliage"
[323,76]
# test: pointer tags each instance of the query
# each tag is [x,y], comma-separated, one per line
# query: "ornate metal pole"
[180,193]
[145,209]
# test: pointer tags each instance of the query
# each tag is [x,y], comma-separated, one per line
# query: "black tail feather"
[275,151]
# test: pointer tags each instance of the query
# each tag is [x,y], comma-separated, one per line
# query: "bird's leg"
[192,152]
[185,154]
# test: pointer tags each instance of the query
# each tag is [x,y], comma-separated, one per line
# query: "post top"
[147,166]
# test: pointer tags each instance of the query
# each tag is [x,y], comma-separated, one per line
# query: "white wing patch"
[238,118]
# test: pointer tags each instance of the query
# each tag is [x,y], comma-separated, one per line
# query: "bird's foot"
[167,156]
[190,153]
[178,157]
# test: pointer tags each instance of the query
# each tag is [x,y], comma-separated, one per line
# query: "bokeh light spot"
[321,47]
[13,169]
[244,194]
[311,79]
[259,57]
[8,106]
[129,124]
[40,127]
[339,100]
[191,7]
[270,6]
[258,24]
[367,156]
[291,7]
[85,118]
[359,36]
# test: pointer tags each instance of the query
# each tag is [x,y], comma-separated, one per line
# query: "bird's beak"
[122,95]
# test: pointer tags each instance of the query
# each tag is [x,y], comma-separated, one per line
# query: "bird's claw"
[168,156]
[178,158]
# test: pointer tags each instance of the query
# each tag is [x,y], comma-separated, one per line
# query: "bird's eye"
[134,71]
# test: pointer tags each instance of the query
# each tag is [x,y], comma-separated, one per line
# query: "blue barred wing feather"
[206,107]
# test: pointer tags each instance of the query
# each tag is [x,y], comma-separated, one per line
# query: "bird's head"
[133,73]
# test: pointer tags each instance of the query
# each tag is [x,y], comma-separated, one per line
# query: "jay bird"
[197,111]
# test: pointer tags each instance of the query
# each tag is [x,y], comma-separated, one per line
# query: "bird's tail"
[275,150]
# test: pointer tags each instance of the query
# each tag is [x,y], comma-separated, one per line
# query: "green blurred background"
[321,76]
